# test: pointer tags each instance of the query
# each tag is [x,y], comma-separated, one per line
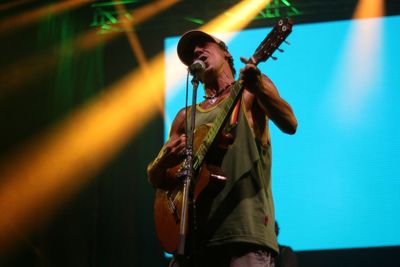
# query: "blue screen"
[336,182]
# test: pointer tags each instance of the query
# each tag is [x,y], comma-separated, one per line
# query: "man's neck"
[216,86]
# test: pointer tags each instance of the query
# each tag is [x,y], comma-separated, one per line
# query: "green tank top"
[243,210]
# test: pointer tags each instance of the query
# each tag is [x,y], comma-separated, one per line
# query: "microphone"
[197,66]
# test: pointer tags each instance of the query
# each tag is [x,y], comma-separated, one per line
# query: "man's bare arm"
[268,98]
[171,154]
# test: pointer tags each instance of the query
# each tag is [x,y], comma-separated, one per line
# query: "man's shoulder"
[178,124]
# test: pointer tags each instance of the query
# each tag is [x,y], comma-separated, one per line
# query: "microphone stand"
[187,174]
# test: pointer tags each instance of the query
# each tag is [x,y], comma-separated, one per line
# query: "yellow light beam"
[237,17]
[24,71]
[137,48]
[20,20]
[368,9]
[41,175]
[13,4]
[360,63]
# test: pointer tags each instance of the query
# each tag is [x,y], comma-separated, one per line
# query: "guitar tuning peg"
[274,58]
[281,50]
[287,42]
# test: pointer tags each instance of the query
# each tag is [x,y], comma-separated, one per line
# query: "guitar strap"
[234,116]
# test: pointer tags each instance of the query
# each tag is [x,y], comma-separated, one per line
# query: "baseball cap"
[188,42]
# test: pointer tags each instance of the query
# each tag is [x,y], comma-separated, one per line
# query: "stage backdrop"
[336,182]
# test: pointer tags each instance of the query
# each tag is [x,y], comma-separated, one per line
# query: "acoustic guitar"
[168,202]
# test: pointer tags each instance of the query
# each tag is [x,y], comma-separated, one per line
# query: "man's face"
[212,55]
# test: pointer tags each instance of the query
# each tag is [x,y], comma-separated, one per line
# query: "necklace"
[213,98]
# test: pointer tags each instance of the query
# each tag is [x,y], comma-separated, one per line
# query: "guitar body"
[168,202]
[167,212]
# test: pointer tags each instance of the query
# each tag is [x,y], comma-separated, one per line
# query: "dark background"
[110,221]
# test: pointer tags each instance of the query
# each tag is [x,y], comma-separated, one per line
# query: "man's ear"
[227,54]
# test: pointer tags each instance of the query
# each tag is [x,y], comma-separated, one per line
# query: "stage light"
[107,17]
[278,9]
[235,18]
[368,9]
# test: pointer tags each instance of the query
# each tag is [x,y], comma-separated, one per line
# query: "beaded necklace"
[213,98]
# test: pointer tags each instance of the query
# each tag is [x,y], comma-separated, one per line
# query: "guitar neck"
[219,122]
[265,50]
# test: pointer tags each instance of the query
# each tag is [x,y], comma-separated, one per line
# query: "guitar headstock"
[274,39]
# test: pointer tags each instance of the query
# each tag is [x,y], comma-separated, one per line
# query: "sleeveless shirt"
[243,210]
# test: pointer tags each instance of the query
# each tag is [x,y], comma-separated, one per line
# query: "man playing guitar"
[235,223]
